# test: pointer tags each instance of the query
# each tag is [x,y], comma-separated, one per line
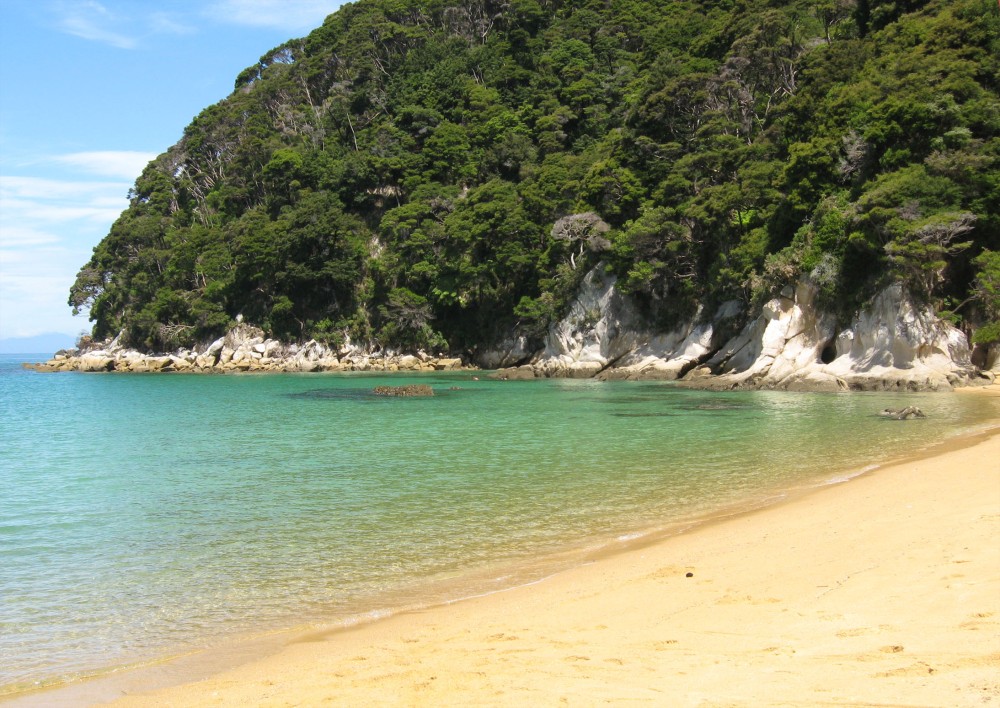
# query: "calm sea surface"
[142,515]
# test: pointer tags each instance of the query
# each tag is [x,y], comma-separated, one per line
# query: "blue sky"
[90,91]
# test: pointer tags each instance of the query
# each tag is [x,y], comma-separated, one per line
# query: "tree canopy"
[425,173]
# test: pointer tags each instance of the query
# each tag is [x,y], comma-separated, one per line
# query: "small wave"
[626,537]
[840,479]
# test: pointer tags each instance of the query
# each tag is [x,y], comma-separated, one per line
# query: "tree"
[922,258]
[986,290]
[587,230]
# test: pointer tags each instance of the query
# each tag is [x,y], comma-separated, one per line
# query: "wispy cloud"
[163,23]
[33,294]
[121,25]
[47,229]
[91,20]
[15,190]
[289,15]
[49,212]
[122,164]
[127,25]
[21,237]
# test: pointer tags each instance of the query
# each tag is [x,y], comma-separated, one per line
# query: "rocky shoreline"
[243,350]
[893,344]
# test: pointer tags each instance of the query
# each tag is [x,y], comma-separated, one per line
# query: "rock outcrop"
[897,343]
[604,335]
[894,344]
[511,352]
[792,344]
[245,349]
[902,413]
[408,391]
[778,349]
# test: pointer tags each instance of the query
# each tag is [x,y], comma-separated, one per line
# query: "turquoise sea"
[150,515]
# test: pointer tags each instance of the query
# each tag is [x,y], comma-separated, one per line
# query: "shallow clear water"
[141,515]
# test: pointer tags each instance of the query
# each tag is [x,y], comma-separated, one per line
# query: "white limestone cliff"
[603,334]
[782,348]
[894,343]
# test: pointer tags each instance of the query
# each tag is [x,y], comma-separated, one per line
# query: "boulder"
[215,347]
[243,335]
[518,373]
[329,364]
[180,364]
[902,413]
[408,363]
[159,363]
[50,366]
[206,361]
[96,361]
[408,391]
[508,353]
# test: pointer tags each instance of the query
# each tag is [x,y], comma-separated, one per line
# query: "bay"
[145,515]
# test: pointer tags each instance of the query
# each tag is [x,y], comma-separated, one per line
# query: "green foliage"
[396,176]
[986,290]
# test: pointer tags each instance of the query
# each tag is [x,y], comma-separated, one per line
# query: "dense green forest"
[426,173]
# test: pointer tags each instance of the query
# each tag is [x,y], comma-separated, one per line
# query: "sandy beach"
[884,590]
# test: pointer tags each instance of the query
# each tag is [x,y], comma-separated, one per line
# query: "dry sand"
[881,591]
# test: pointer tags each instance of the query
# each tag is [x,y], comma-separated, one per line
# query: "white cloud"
[15,190]
[162,23]
[91,20]
[102,212]
[289,15]
[122,25]
[22,236]
[47,230]
[33,301]
[122,164]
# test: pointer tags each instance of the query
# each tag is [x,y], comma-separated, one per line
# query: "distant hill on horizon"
[47,343]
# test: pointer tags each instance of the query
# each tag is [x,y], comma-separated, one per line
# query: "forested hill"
[428,173]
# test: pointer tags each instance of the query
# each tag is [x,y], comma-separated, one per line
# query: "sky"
[90,92]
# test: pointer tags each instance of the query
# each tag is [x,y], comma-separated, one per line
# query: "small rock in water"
[409,391]
[902,413]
